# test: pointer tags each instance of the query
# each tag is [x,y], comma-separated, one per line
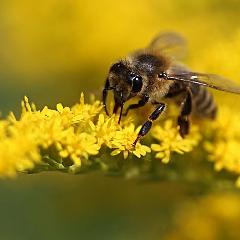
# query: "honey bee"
[154,74]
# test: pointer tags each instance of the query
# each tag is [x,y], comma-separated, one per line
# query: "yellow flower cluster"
[16,153]
[39,134]
[209,217]
[72,133]
[171,141]
[67,138]
[224,142]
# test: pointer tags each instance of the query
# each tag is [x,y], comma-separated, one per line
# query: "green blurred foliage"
[51,51]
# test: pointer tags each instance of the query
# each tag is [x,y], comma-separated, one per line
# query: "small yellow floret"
[123,142]
[171,141]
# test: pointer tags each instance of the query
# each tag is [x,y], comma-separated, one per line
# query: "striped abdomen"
[203,102]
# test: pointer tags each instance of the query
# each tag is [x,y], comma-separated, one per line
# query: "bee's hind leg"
[183,118]
[148,124]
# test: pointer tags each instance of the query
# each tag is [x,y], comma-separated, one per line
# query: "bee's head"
[124,82]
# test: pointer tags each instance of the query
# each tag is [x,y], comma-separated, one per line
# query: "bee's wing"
[209,80]
[170,44]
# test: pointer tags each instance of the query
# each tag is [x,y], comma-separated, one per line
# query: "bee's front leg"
[148,124]
[141,103]
[186,109]
[104,94]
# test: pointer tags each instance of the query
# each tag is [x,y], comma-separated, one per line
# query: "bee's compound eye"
[136,83]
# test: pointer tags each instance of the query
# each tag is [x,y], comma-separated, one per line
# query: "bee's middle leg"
[183,118]
[148,124]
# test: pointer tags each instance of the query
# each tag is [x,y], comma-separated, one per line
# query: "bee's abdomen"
[203,102]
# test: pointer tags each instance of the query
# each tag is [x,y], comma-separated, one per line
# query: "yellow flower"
[65,114]
[83,112]
[21,141]
[123,141]
[224,146]
[225,154]
[77,146]
[210,217]
[171,141]
[105,129]
[16,154]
